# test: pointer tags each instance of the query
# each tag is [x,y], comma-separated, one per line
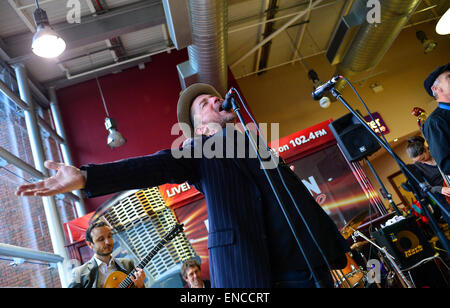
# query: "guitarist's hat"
[428,83]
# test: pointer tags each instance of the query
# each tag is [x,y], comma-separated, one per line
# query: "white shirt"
[104,270]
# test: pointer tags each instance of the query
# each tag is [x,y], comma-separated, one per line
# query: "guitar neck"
[127,282]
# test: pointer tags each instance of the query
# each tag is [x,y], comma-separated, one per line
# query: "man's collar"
[443,105]
[100,262]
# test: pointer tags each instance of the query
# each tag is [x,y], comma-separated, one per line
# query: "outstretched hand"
[66,179]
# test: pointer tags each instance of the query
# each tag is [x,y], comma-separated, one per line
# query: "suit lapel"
[121,267]
[93,272]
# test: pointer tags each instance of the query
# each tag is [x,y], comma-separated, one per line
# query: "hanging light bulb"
[428,45]
[115,138]
[443,25]
[46,42]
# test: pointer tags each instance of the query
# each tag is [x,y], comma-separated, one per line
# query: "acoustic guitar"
[121,280]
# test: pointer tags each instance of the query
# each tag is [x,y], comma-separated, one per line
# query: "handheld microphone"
[318,92]
[227,103]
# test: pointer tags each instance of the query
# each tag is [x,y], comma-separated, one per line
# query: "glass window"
[29,274]
[23,221]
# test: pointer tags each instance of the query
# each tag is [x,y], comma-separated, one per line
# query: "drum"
[349,277]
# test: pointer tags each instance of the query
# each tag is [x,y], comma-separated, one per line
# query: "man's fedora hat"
[428,83]
[187,96]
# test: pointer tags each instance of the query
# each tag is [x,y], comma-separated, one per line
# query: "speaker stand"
[386,193]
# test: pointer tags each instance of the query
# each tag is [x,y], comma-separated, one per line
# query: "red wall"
[143,103]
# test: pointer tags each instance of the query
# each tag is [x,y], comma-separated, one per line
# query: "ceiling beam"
[274,34]
[104,70]
[296,51]
[27,20]
[264,51]
[116,22]
[260,32]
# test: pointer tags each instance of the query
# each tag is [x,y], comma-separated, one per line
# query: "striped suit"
[238,199]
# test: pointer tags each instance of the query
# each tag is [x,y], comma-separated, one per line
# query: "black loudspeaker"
[353,138]
[405,241]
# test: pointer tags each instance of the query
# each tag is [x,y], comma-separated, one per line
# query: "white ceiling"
[308,36]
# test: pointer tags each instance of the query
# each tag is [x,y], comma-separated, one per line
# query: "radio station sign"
[303,140]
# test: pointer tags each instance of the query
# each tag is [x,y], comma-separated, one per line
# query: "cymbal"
[354,223]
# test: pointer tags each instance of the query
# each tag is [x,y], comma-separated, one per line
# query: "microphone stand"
[236,109]
[409,175]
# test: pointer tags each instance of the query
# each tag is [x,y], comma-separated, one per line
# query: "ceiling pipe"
[374,39]
[208,52]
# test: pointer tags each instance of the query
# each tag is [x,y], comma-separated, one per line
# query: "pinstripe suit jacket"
[238,249]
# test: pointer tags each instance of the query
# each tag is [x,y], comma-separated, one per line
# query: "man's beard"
[104,252]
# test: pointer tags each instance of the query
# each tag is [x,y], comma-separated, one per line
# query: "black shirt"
[437,132]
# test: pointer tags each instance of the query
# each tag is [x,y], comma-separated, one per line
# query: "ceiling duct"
[345,32]
[372,40]
[208,52]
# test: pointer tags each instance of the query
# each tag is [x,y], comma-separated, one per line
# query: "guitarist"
[93,273]
[426,165]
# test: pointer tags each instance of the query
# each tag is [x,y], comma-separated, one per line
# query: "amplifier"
[405,241]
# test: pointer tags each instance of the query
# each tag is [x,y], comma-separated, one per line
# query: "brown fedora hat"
[187,96]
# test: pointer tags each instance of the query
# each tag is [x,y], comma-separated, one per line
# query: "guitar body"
[118,279]
[114,279]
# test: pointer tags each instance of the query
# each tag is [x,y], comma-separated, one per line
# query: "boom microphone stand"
[409,175]
[236,109]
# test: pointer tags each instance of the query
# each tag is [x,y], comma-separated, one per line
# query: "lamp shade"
[115,138]
[443,25]
[47,43]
